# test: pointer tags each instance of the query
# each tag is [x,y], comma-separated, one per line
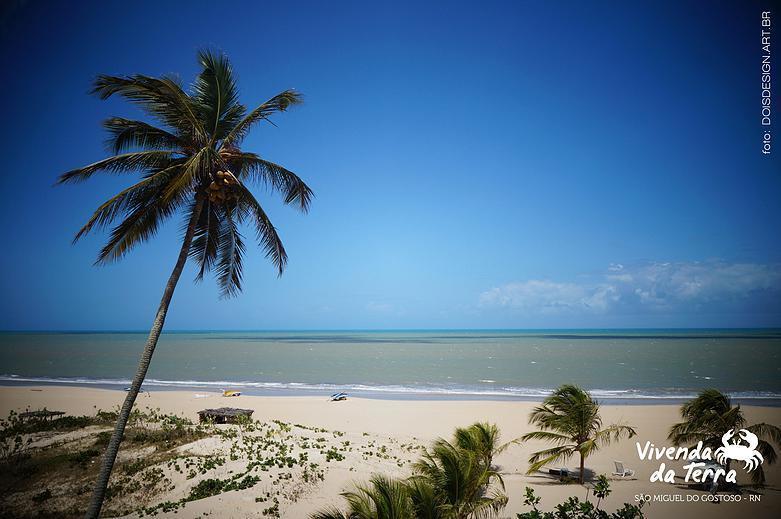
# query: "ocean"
[628,365]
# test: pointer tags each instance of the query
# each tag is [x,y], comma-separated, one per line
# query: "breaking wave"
[487,391]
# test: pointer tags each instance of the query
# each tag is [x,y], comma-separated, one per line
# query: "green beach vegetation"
[191,163]
[166,461]
[569,418]
[710,415]
[58,457]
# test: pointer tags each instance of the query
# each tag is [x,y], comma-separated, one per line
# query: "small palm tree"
[191,164]
[383,498]
[481,438]
[711,414]
[570,419]
[461,480]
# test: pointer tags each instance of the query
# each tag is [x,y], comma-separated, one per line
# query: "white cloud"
[649,287]
[550,297]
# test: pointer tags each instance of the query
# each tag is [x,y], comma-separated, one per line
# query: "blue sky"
[491,164]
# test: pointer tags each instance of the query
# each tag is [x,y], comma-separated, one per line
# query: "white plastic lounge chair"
[622,471]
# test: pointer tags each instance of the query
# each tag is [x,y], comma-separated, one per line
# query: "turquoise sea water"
[611,363]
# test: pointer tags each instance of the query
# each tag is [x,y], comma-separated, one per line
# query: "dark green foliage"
[573,508]
[207,488]
[83,457]
[333,454]
[134,467]
[13,425]
[601,488]
[102,438]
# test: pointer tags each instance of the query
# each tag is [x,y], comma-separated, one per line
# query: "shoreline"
[387,395]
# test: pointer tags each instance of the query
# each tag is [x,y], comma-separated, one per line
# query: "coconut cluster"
[222,187]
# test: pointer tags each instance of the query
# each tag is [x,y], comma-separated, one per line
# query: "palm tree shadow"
[544,478]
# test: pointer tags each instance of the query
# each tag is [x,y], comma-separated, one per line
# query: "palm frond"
[767,451]
[481,438]
[206,240]
[139,226]
[489,506]
[329,513]
[251,167]
[143,216]
[267,235]
[127,135]
[278,103]
[390,497]
[125,162]
[543,457]
[163,98]
[613,433]
[359,504]
[767,432]
[549,436]
[216,95]
[194,171]
[229,255]
[111,208]
[425,498]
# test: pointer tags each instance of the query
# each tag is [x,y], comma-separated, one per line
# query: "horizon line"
[555,329]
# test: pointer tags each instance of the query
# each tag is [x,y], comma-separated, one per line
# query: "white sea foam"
[476,391]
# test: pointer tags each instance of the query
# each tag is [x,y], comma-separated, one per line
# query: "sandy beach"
[367,424]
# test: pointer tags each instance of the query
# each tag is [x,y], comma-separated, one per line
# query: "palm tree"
[383,498]
[481,438]
[461,481]
[570,419]
[711,414]
[190,164]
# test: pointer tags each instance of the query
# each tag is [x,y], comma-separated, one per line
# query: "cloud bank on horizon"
[690,288]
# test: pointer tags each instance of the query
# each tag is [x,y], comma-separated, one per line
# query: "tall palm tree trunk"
[582,468]
[110,456]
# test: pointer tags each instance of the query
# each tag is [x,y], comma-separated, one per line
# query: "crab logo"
[737,451]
